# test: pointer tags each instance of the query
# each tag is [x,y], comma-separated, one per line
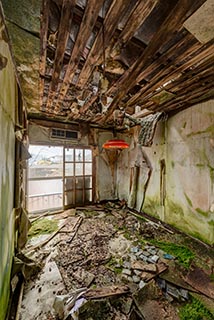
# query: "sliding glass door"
[77,176]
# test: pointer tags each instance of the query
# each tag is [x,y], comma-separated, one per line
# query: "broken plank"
[199,280]
[76,227]
[106,292]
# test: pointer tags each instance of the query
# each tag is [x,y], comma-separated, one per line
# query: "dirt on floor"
[108,262]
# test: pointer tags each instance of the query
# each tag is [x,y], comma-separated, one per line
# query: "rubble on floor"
[107,262]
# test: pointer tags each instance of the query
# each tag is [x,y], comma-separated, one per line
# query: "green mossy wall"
[8,103]
[23,23]
[186,144]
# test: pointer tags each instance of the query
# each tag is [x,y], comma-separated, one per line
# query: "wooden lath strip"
[173,21]
[169,68]
[171,73]
[113,16]
[88,22]
[183,45]
[43,46]
[63,35]
[187,84]
[187,98]
[137,17]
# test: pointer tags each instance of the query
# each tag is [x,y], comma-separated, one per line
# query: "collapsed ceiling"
[102,60]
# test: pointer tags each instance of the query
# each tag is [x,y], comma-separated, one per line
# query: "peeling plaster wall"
[190,171]
[182,193]
[8,103]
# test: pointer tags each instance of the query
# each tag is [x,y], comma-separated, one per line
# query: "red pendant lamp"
[115,144]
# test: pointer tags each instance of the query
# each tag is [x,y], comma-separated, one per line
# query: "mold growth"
[42,226]
[151,206]
[188,200]
[202,212]
[175,208]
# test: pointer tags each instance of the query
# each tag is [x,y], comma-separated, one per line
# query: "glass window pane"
[69,198]
[79,169]
[88,182]
[79,196]
[44,194]
[88,195]
[69,184]
[69,169]
[79,183]
[88,168]
[79,155]
[45,161]
[88,155]
[69,154]
[40,187]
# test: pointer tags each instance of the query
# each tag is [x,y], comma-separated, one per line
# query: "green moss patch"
[182,253]
[175,208]
[195,310]
[188,200]
[42,226]
[202,212]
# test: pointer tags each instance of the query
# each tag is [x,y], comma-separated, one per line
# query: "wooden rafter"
[88,21]
[138,15]
[174,19]
[113,16]
[63,34]
[168,74]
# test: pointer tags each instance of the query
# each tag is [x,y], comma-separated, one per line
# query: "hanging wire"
[103,34]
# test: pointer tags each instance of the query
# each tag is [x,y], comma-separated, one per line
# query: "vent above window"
[63,134]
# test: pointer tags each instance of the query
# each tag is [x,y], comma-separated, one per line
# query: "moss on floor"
[195,310]
[181,252]
[42,226]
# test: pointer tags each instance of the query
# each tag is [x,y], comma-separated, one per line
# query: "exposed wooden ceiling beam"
[62,38]
[173,21]
[104,36]
[137,17]
[168,74]
[88,22]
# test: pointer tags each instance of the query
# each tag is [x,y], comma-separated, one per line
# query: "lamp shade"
[115,144]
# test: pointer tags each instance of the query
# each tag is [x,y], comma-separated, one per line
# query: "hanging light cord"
[103,34]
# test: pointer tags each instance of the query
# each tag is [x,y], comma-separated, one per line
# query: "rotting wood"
[88,21]
[113,16]
[143,217]
[169,25]
[106,292]
[76,227]
[138,15]
[149,275]
[170,73]
[41,244]
[63,35]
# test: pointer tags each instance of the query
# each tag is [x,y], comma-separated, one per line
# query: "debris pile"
[104,268]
